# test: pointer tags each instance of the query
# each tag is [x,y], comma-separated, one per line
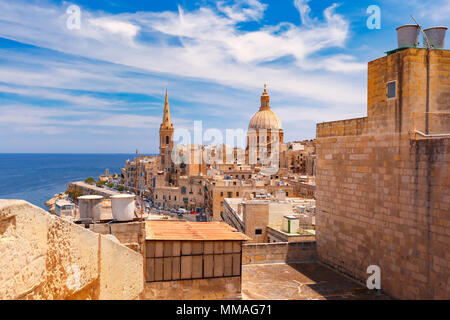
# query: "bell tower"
[166,138]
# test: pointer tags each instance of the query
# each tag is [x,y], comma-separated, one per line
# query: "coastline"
[37,177]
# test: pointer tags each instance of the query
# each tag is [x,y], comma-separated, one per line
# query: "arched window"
[167,139]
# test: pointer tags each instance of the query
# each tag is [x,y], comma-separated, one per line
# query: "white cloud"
[304,11]
[82,101]
[206,46]
[242,10]
[437,11]
[115,26]
[213,47]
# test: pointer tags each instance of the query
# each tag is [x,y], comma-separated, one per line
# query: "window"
[167,139]
[258,231]
[230,194]
[221,194]
[237,194]
[391,89]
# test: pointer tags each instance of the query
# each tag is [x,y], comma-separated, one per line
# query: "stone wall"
[383,193]
[130,234]
[284,252]
[256,216]
[45,257]
[198,289]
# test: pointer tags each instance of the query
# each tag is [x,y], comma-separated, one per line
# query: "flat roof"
[187,230]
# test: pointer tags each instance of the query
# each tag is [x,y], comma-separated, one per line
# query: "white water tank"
[123,207]
[436,37]
[408,36]
[90,207]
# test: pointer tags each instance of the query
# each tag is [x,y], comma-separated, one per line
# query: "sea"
[38,177]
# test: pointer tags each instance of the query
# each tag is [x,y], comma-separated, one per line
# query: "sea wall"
[88,189]
[45,257]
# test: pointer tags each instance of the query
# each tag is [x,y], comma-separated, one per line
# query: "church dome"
[265,118]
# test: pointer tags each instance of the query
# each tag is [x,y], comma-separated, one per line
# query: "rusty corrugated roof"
[186,230]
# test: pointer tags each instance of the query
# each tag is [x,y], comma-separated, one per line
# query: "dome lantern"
[265,118]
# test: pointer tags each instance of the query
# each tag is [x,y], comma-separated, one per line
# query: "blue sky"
[101,88]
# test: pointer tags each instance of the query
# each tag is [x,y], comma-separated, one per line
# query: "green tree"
[100,183]
[120,188]
[89,180]
[74,193]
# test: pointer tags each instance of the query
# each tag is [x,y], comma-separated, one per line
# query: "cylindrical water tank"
[90,207]
[436,37]
[408,36]
[123,207]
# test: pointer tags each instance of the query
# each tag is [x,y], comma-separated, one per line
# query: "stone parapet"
[280,252]
[43,256]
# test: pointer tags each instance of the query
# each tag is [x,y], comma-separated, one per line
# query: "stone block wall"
[383,195]
[130,234]
[45,257]
[284,252]
[198,289]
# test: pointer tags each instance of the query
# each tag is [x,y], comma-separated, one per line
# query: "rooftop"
[301,281]
[186,230]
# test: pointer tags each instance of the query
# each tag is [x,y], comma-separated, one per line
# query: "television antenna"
[428,45]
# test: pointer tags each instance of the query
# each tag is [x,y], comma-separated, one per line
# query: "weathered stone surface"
[198,289]
[261,253]
[23,247]
[122,271]
[300,281]
[45,257]
[382,190]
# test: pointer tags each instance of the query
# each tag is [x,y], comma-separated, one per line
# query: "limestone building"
[181,178]
[264,132]
[271,218]
[166,138]
[383,184]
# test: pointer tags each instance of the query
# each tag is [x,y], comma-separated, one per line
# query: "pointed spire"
[265,100]
[166,117]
